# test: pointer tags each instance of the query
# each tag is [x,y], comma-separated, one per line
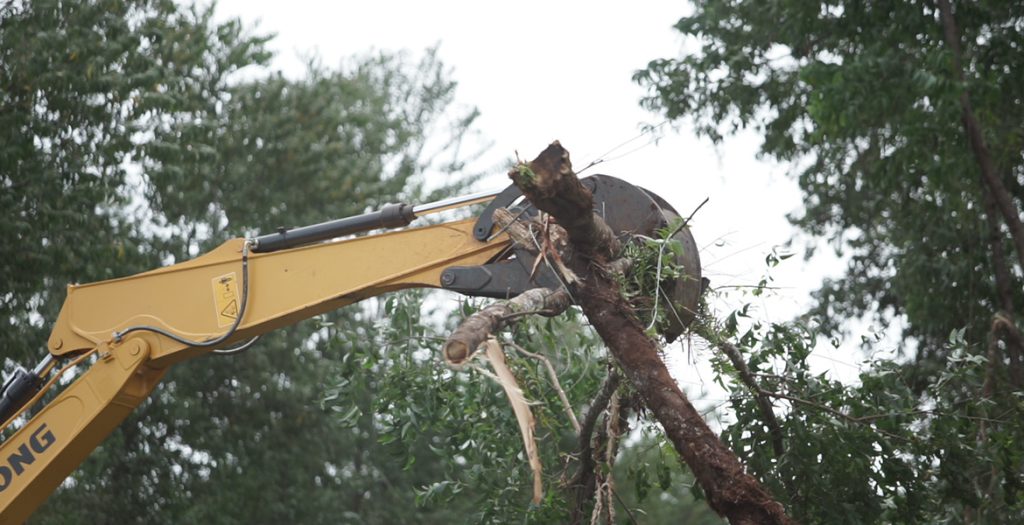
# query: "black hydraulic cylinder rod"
[18,389]
[390,216]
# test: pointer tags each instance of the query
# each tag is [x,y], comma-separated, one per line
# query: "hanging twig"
[747,378]
[554,382]
[583,481]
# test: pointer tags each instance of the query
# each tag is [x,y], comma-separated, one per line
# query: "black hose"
[211,342]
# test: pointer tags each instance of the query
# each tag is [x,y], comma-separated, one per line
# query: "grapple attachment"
[629,210]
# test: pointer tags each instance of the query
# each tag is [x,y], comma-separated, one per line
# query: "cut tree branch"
[550,184]
[475,329]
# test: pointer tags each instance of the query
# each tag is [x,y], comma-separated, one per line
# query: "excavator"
[126,334]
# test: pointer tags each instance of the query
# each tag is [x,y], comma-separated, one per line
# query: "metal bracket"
[501,279]
[485,223]
[629,210]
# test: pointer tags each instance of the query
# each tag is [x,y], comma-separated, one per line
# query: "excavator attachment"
[136,327]
[629,210]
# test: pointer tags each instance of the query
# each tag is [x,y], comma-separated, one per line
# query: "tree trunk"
[552,187]
[1004,288]
[976,137]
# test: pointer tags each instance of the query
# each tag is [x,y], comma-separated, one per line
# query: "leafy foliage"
[129,143]
[458,430]
[651,480]
[878,450]
[864,99]
[463,421]
[83,85]
[654,268]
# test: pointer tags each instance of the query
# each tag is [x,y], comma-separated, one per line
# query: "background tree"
[128,145]
[130,141]
[903,123]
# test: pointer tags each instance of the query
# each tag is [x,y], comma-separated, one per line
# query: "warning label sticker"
[225,299]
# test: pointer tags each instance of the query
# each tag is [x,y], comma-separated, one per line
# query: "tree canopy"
[902,121]
[141,133]
[138,133]
[130,141]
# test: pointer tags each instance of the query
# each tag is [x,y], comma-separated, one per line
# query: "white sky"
[540,71]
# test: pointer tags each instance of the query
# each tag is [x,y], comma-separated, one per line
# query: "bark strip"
[584,481]
[524,416]
[552,187]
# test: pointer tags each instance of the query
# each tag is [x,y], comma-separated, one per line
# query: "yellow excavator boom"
[200,300]
[128,331]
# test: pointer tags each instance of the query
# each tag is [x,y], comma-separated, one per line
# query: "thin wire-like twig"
[554,382]
[661,254]
[632,518]
[601,158]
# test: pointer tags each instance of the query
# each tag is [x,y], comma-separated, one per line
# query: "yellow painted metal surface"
[199,300]
[38,457]
[190,299]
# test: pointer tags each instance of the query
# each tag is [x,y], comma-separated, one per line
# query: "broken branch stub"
[550,184]
[475,329]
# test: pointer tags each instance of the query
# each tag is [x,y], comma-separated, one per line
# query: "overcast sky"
[540,71]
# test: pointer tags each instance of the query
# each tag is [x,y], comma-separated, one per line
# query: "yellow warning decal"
[225,299]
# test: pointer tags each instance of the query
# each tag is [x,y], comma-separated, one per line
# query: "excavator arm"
[129,331]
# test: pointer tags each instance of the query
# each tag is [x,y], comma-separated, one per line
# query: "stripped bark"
[524,416]
[550,184]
